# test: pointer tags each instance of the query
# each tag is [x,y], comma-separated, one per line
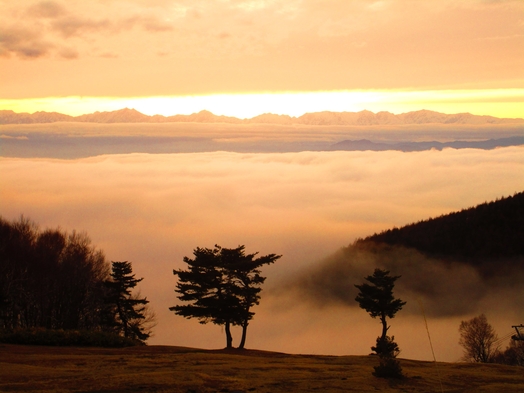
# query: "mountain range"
[365,144]
[362,118]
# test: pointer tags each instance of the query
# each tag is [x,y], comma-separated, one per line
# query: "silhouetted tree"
[512,355]
[478,338]
[80,274]
[243,274]
[204,287]
[378,300]
[221,285]
[49,278]
[129,311]
[145,322]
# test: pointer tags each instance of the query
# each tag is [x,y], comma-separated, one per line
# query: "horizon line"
[500,103]
[259,115]
[207,116]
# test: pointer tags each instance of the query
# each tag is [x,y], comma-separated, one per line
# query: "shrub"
[387,350]
[388,368]
[77,338]
[513,355]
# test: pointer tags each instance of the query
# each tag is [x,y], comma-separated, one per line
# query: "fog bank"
[153,210]
[446,288]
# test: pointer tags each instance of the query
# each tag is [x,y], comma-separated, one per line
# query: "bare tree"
[478,338]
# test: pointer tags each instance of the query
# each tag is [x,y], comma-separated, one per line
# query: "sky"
[246,57]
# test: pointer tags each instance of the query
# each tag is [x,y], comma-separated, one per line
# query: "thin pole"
[431,346]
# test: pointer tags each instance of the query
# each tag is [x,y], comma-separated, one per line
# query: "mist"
[446,288]
[154,209]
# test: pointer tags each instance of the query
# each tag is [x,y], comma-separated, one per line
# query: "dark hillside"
[487,232]
[183,370]
[456,264]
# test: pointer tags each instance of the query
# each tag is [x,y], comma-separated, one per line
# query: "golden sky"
[245,57]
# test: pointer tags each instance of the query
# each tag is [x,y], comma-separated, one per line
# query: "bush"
[389,366]
[513,355]
[77,338]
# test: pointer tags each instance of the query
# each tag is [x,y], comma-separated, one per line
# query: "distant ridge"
[363,118]
[365,144]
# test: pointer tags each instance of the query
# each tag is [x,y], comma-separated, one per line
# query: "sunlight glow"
[495,102]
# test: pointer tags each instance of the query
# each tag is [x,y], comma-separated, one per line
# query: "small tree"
[378,300]
[132,317]
[478,338]
[221,285]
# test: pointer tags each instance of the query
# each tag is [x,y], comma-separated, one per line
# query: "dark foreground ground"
[176,369]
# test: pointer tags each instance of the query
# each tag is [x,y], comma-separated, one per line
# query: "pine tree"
[221,285]
[377,299]
[130,312]
[243,276]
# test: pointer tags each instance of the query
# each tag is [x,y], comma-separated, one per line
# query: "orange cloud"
[155,209]
[23,43]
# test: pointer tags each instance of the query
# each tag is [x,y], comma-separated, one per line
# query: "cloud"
[22,138]
[23,43]
[447,289]
[271,46]
[153,210]
[74,26]
[46,9]
[31,32]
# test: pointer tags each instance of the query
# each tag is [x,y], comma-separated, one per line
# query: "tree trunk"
[244,333]
[229,338]
[384,328]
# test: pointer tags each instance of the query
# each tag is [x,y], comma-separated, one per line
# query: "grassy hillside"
[185,370]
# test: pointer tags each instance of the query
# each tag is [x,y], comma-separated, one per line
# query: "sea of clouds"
[154,209]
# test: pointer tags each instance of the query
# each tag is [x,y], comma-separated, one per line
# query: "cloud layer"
[153,210]
[76,140]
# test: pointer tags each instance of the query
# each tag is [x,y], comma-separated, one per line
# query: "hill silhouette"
[365,144]
[456,264]
[480,235]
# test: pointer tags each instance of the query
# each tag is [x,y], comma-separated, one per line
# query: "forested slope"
[478,235]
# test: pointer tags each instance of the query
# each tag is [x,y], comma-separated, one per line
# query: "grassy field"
[186,370]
